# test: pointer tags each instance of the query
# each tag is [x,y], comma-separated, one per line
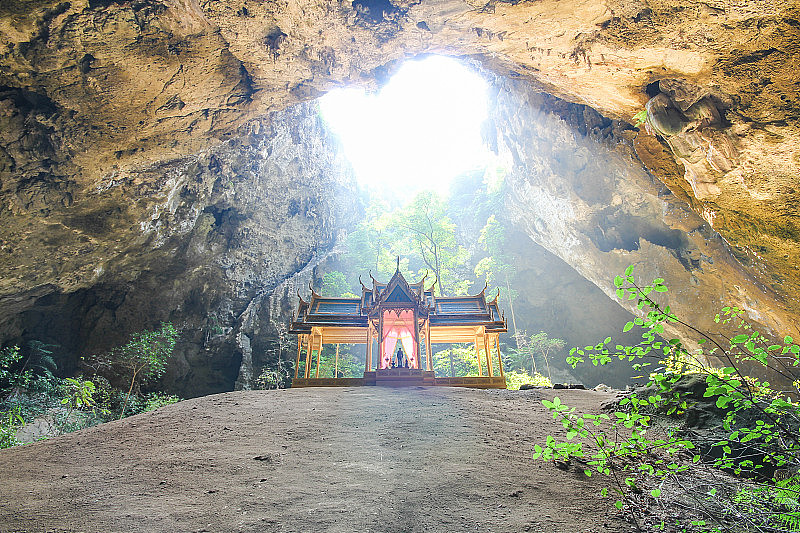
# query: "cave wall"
[95,89]
[578,189]
[233,224]
[136,137]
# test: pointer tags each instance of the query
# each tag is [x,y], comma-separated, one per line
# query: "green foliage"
[143,358]
[515,379]
[79,394]
[40,358]
[780,503]
[156,400]
[348,365]
[524,357]
[432,235]
[370,247]
[760,424]
[11,375]
[640,118]
[496,268]
[274,378]
[459,360]
[10,422]
[334,283]
[421,233]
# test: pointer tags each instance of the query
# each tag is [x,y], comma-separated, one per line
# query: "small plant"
[155,400]
[640,118]
[10,422]
[524,357]
[11,377]
[79,394]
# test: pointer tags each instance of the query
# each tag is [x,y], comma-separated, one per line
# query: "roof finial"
[364,287]
[398,263]
[313,292]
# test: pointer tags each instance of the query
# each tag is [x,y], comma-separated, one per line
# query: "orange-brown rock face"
[99,97]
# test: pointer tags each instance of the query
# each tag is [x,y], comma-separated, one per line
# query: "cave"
[167,161]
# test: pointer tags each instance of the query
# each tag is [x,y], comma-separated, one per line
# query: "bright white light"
[420,131]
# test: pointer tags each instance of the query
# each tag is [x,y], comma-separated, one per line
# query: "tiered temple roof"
[442,311]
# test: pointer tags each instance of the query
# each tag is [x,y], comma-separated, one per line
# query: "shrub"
[515,379]
[759,425]
[142,358]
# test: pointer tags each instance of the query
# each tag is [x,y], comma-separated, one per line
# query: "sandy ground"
[307,460]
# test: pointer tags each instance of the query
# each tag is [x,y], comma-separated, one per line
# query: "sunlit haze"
[421,130]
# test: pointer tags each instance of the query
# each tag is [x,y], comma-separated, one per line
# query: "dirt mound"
[355,459]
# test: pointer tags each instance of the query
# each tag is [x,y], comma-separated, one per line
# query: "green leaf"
[618,281]
[788,340]
[618,504]
[627,327]
[655,493]
[738,339]
[629,271]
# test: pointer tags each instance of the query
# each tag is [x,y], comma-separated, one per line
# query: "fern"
[787,497]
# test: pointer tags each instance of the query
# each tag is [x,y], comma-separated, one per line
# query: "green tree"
[524,357]
[142,358]
[371,245]
[11,376]
[334,283]
[432,236]
[497,269]
[459,360]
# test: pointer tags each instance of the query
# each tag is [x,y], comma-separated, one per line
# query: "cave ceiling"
[114,115]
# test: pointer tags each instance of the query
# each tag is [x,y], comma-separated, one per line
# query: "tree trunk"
[125,403]
[513,318]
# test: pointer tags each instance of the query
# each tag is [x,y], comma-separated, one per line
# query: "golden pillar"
[314,343]
[478,342]
[428,348]
[487,339]
[308,356]
[368,362]
[319,356]
[499,355]
[300,339]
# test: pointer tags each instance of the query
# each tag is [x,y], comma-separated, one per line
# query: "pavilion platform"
[404,377]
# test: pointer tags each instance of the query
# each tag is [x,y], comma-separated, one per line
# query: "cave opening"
[418,131]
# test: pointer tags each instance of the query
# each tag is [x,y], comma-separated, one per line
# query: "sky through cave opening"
[419,131]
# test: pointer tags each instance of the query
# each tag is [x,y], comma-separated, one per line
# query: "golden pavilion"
[399,321]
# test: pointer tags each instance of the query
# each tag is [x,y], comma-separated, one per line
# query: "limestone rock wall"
[577,188]
[135,138]
[205,250]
